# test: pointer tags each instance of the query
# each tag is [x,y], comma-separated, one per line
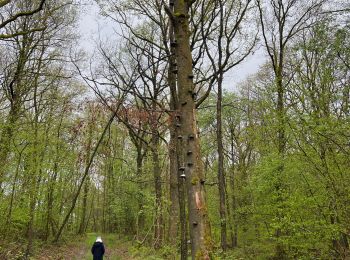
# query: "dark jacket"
[98,250]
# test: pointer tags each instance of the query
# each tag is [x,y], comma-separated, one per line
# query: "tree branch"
[4,2]
[8,36]
[20,14]
[170,13]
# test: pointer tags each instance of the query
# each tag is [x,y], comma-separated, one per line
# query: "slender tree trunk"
[35,172]
[178,160]
[174,165]
[221,174]
[86,172]
[9,215]
[52,185]
[182,196]
[87,181]
[229,218]
[141,214]
[158,230]
[84,206]
[200,232]
[233,196]
[234,209]
[50,200]
[280,251]
[33,189]
[174,192]
[105,187]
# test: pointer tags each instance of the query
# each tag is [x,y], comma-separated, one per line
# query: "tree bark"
[200,233]
[221,174]
[280,251]
[174,192]
[140,215]
[233,187]
[158,229]
[173,157]
[177,156]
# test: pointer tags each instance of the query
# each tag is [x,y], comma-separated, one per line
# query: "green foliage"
[302,193]
[147,253]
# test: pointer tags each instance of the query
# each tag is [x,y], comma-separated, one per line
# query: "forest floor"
[117,248]
[80,249]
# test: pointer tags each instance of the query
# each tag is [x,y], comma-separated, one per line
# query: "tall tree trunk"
[174,164]
[158,230]
[200,232]
[141,214]
[84,206]
[87,181]
[221,174]
[13,191]
[33,186]
[229,218]
[35,171]
[233,187]
[174,192]
[182,195]
[280,251]
[52,184]
[50,200]
[234,209]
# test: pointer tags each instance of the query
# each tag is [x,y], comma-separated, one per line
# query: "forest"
[149,141]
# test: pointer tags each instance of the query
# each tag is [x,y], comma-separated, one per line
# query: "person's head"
[99,239]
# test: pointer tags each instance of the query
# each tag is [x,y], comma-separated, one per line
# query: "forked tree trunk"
[14,88]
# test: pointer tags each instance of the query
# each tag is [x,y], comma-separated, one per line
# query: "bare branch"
[20,14]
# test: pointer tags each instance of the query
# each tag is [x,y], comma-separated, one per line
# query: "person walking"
[98,249]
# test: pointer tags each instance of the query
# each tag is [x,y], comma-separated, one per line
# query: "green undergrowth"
[144,252]
[117,248]
[168,252]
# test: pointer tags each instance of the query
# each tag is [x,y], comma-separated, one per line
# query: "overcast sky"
[93,26]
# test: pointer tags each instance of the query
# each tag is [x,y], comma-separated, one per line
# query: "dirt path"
[115,249]
[80,249]
[120,252]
